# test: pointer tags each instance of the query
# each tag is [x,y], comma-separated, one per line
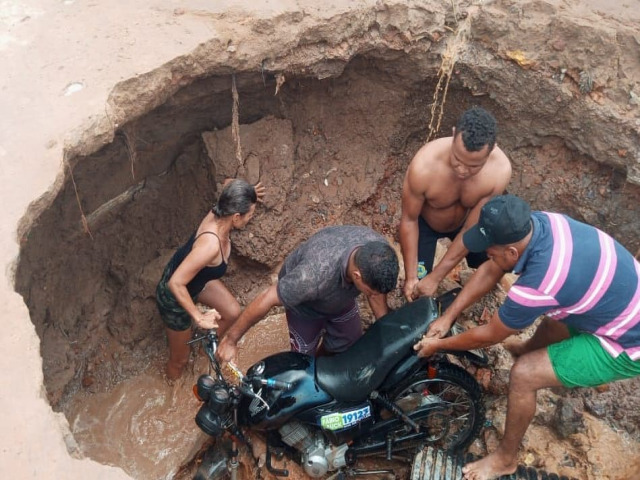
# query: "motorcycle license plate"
[338,421]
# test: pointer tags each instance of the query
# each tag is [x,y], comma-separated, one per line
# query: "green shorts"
[581,361]
[173,315]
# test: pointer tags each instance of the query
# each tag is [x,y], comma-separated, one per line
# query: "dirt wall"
[355,86]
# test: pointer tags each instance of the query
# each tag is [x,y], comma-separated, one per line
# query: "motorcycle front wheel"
[214,463]
[458,415]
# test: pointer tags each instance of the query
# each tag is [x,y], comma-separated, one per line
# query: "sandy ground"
[60,61]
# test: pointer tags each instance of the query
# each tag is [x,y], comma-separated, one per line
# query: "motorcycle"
[378,397]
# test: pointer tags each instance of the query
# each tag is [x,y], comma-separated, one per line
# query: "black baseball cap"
[503,220]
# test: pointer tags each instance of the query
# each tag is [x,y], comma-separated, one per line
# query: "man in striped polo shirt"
[583,281]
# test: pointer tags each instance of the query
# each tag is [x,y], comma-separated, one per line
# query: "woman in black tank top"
[193,273]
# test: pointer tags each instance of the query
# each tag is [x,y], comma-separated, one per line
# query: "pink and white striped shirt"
[577,274]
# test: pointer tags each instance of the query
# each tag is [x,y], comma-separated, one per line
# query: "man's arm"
[480,283]
[479,337]
[378,304]
[454,254]
[499,177]
[412,202]
[252,314]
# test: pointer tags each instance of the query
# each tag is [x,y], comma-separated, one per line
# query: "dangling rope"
[83,218]
[449,58]
[235,125]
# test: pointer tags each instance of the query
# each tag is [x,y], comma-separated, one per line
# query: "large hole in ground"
[329,151]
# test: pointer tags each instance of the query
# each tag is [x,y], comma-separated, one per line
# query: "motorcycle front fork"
[233,457]
[233,462]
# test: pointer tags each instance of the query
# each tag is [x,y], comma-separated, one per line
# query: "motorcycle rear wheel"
[454,426]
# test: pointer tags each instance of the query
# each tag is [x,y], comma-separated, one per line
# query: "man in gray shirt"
[318,285]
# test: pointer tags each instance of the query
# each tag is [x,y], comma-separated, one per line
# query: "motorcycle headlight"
[209,422]
[202,389]
[219,399]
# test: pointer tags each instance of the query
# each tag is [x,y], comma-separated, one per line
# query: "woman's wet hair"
[378,265]
[237,196]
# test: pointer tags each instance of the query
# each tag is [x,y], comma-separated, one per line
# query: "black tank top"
[198,282]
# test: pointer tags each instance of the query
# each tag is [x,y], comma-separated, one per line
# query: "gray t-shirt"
[312,281]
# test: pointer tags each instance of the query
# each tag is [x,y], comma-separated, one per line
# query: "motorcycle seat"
[353,374]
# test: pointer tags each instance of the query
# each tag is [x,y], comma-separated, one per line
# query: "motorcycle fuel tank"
[292,367]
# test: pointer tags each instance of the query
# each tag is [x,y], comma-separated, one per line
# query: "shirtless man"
[447,183]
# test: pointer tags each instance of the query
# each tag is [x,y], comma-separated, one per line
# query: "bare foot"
[489,467]
[514,346]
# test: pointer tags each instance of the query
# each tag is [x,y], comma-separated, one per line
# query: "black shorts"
[427,240]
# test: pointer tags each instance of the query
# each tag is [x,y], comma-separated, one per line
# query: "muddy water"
[146,426]
[269,336]
[143,426]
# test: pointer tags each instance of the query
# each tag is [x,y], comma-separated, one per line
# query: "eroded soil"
[331,143]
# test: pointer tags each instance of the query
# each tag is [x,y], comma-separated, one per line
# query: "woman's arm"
[203,253]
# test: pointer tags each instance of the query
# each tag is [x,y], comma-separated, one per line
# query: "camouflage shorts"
[173,315]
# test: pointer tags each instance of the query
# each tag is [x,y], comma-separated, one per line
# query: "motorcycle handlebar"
[211,335]
[276,384]
[212,338]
